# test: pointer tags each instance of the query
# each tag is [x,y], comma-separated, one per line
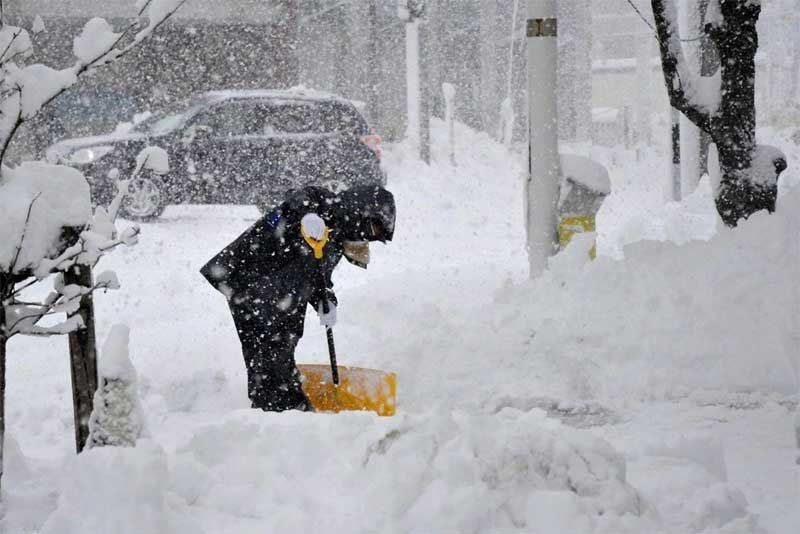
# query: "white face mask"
[357,253]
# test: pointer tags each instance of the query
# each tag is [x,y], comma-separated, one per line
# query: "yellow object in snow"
[359,389]
[569,226]
[315,245]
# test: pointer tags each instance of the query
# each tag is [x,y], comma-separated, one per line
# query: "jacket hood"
[366,213]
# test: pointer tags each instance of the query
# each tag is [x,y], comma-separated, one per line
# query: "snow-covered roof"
[294,93]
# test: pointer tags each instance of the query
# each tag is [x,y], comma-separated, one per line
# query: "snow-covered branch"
[24,90]
[682,87]
[66,299]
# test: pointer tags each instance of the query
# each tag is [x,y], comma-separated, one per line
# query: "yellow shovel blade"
[359,389]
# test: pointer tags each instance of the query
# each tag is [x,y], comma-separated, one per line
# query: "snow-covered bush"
[46,222]
[117,417]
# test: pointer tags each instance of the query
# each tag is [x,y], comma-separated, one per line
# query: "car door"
[220,161]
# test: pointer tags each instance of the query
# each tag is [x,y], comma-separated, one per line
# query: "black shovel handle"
[329,332]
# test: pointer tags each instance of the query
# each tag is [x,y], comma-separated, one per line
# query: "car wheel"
[145,198]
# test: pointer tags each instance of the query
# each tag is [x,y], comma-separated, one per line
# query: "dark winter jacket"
[272,260]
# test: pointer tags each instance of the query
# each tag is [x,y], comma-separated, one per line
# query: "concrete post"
[449,91]
[413,93]
[542,187]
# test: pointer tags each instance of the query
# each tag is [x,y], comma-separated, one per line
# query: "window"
[233,118]
[293,118]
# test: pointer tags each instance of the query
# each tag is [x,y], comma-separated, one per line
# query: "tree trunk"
[4,291]
[83,358]
[3,342]
[732,127]
[735,131]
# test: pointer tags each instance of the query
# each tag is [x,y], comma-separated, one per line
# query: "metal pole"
[449,91]
[542,187]
[372,64]
[424,97]
[709,64]
[412,82]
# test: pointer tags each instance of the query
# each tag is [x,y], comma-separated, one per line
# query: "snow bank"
[121,490]
[668,319]
[449,472]
[57,197]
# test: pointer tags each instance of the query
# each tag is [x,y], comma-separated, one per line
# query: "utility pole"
[412,12]
[372,63]
[285,35]
[542,187]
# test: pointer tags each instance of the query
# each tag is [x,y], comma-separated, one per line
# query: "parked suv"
[242,147]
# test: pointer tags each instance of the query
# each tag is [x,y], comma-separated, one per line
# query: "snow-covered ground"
[652,390]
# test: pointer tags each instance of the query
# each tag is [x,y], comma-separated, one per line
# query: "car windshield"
[170,117]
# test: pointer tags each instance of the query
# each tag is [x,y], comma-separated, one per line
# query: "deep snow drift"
[648,391]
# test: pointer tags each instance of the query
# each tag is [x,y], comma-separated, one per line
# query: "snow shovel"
[339,388]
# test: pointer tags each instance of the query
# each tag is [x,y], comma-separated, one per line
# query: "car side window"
[231,119]
[292,118]
[337,117]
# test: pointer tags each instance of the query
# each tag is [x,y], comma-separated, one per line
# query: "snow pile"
[152,158]
[668,320]
[55,196]
[96,39]
[117,417]
[39,84]
[121,490]
[38,25]
[449,472]
[586,172]
[704,499]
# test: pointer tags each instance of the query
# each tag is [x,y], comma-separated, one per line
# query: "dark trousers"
[269,334]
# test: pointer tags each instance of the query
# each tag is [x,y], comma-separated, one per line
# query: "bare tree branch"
[81,69]
[24,231]
[17,123]
[3,60]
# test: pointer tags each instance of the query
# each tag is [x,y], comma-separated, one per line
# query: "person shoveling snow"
[285,261]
